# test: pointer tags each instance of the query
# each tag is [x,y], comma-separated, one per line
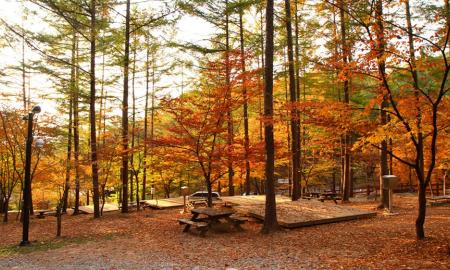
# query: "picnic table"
[311,195]
[439,200]
[43,213]
[194,202]
[333,196]
[204,219]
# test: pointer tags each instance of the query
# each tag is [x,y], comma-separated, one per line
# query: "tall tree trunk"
[230,131]
[209,189]
[59,217]
[138,205]
[245,96]
[288,126]
[65,198]
[133,143]
[270,215]
[261,97]
[24,71]
[339,97]
[2,199]
[152,114]
[93,134]
[346,183]
[133,124]
[295,119]
[380,48]
[297,89]
[420,221]
[124,169]
[76,134]
[147,82]
[6,208]
[101,128]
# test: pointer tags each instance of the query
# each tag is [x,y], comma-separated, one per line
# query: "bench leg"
[186,228]
[238,227]
[203,231]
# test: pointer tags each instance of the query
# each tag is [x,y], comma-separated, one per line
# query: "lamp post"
[27,180]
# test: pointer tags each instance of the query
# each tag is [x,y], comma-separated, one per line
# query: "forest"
[120,102]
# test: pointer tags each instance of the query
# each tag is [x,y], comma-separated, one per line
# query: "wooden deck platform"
[164,203]
[439,200]
[89,209]
[297,214]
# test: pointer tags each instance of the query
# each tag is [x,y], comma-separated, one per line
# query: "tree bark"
[5,207]
[245,96]
[2,200]
[133,125]
[124,169]
[65,198]
[209,189]
[24,95]
[261,97]
[288,137]
[58,218]
[295,119]
[380,48]
[270,216]
[147,82]
[76,135]
[420,221]
[93,134]
[346,183]
[297,89]
[70,128]
[230,131]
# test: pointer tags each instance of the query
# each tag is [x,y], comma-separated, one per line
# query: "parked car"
[204,194]
[249,194]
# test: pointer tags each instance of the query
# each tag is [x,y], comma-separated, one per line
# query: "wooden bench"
[41,214]
[330,196]
[197,202]
[237,221]
[439,200]
[201,226]
[310,195]
[52,213]
[145,206]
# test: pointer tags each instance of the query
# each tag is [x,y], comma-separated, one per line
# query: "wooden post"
[58,219]
[444,186]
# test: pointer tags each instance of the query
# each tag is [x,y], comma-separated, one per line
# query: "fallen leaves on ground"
[154,240]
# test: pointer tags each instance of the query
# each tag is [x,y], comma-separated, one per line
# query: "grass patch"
[53,244]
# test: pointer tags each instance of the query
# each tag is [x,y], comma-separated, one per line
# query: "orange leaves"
[330,115]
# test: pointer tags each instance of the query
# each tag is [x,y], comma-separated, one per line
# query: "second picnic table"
[330,196]
[212,216]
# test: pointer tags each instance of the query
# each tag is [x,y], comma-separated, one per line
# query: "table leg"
[194,216]
[186,228]
[236,225]
[212,222]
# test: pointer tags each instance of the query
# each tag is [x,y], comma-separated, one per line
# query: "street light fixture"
[36,109]
[27,180]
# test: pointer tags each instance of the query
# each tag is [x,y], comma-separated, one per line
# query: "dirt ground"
[154,240]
